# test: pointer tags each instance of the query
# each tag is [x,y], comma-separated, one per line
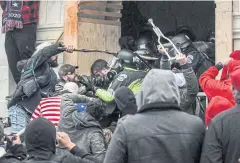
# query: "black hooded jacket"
[40,139]
[38,79]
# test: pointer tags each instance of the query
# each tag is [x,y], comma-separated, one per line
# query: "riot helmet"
[146,42]
[126,57]
[182,41]
[187,31]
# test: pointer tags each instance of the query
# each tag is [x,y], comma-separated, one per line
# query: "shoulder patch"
[190,59]
[122,77]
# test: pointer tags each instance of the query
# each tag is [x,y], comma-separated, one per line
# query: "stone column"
[223,29]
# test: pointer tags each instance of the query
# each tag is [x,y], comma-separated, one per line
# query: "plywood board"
[96,37]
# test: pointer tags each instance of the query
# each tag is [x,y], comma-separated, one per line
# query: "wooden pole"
[71,31]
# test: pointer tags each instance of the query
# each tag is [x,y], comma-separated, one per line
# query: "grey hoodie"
[164,90]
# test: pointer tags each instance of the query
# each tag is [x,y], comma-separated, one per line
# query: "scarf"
[12,16]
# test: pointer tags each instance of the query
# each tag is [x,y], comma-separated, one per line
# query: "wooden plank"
[97,17]
[88,5]
[97,21]
[102,13]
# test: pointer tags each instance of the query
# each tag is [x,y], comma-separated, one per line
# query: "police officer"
[198,60]
[147,49]
[129,77]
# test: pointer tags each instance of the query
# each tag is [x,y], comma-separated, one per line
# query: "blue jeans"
[19,118]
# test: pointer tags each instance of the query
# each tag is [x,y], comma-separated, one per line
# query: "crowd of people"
[142,116]
[142,108]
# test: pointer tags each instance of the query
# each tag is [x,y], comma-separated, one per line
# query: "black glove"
[87,82]
[99,81]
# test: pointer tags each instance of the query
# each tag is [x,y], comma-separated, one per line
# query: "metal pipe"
[159,34]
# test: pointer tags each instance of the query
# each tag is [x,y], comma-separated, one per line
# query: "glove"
[87,82]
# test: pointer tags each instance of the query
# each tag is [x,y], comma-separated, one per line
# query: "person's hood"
[159,89]
[125,100]
[40,139]
[217,105]
[83,120]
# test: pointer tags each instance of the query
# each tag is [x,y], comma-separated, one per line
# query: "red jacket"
[217,105]
[213,87]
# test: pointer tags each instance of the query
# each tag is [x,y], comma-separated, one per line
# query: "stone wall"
[236,24]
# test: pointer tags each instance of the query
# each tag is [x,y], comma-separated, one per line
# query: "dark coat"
[222,143]
[37,79]
[160,132]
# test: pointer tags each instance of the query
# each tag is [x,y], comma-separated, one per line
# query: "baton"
[88,51]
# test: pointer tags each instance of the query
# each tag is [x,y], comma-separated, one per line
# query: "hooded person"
[217,105]
[38,80]
[126,103]
[83,127]
[222,142]
[223,87]
[40,140]
[160,131]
